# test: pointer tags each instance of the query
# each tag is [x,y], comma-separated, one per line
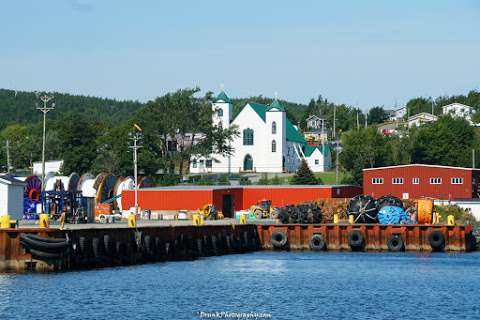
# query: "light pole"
[136,138]
[44,108]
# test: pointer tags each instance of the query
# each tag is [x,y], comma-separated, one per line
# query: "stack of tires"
[45,248]
[306,213]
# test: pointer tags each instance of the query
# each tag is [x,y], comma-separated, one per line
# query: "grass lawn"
[329,177]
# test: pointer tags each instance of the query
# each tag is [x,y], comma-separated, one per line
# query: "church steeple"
[222,97]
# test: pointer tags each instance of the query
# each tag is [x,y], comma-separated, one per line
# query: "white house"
[11,197]
[316,130]
[459,110]
[399,113]
[421,119]
[268,141]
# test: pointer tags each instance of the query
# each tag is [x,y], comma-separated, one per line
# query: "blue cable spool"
[392,215]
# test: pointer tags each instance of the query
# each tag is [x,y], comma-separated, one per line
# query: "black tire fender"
[395,243]
[54,247]
[45,255]
[436,240]
[356,239]
[317,243]
[278,239]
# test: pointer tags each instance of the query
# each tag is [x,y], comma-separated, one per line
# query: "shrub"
[304,175]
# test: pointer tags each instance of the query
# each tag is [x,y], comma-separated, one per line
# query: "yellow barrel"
[451,220]
[132,220]
[351,219]
[335,218]
[424,211]
[5,221]
[243,218]
[44,221]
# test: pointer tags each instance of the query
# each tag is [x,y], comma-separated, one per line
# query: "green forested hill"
[19,107]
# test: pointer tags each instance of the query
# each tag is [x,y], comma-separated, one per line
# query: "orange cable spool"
[424,211]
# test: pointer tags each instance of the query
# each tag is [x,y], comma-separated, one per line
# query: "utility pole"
[358,122]
[336,163]
[334,136]
[136,137]
[433,103]
[8,155]
[44,108]
[473,158]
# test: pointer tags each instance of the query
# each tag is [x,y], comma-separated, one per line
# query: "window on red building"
[397,180]
[435,180]
[457,180]
[377,180]
[415,180]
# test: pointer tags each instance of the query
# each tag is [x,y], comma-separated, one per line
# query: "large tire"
[395,243]
[85,246]
[317,243]
[45,255]
[278,239]
[149,246]
[32,243]
[363,208]
[46,239]
[436,240]
[258,213]
[97,247]
[356,239]
[108,245]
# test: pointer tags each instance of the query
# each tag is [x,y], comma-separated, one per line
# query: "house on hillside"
[316,130]
[459,110]
[400,113]
[420,119]
[268,141]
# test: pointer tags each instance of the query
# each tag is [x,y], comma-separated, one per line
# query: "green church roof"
[308,150]
[276,105]
[291,132]
[222,96]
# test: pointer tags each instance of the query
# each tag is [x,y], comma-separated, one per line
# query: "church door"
[248,163]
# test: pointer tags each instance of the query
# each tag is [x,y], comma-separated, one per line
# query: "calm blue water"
[285,285]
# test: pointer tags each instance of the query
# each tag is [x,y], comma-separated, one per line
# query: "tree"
[304,175]
[78,133]
[364,148]
[448,141]
[376,115]
[179,126]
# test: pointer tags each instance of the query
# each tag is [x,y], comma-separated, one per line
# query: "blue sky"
[367,52]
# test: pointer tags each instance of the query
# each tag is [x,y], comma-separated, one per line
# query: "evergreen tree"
[304,175]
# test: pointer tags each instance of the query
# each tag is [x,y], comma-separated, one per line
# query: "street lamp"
[44,108]
[136,136]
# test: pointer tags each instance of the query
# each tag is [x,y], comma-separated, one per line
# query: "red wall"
[282,196]
[167,199]
[236,195]
[243,198]
[443,191]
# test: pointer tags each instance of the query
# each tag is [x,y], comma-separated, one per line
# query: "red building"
[416,181]
[231,198]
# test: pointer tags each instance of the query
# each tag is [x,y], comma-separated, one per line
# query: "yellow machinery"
[263,209]
[209,212]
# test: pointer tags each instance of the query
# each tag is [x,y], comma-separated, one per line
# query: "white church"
[268,142]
